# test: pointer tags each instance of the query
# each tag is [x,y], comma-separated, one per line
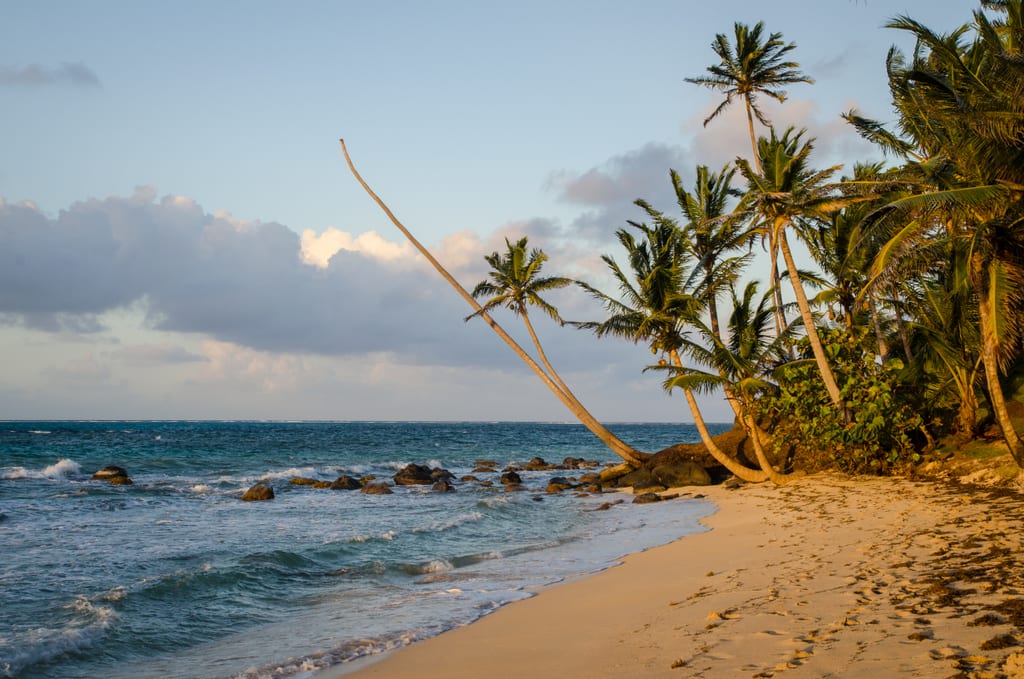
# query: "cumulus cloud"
[256,285]
[37,75]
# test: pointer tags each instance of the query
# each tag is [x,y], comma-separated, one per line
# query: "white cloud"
[317,249]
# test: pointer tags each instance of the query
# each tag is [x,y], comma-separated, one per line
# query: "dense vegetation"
[910,328]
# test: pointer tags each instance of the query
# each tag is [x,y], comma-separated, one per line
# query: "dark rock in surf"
[322,484]
[640,478]
[443,486]
[258,493]
[510,477]
[302,481]
[377,489]
[646,498]
[557,484]
[441,475]
[345,482]
[110,472]
[537,464]
[120,481]
[514,488]
[414,475]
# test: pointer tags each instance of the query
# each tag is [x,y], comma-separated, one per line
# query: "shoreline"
[827,576]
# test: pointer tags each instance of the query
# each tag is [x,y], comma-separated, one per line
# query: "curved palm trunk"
[617,445]
[754,432]
[812,333]
[741,471]
[989,342]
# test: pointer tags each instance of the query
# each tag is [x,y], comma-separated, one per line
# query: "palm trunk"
[753,139]
[741,471]
[990,360]
[812,333]
[617,445]
[762,459]
[879,337]
[903,333]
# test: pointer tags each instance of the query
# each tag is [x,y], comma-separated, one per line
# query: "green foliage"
[879,433]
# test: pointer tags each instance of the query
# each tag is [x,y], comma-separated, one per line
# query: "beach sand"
[826,577]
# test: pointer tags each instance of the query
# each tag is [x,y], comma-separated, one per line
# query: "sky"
[180,237]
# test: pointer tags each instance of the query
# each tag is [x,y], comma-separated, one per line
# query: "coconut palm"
[750,67]
[788,191]
[652,307]
[741,365]
[614,443]
[972,96]
[515,283]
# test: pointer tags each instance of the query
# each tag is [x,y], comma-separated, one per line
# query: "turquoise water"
[175,576]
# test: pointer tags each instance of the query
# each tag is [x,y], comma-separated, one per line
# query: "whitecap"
[61,469]
[46,644]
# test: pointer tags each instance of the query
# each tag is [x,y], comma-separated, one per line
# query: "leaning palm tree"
[741,366]
[753,66]
[614,443]
[652,307]
[515,283]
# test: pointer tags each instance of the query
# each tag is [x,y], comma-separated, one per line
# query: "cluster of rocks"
[647,482]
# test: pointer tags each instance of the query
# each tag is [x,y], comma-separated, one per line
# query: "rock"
[640,478]
[441,475]
[537,464]
[322,484]
[345,482]
[110,472]
[483,470]
[732,483]
[120,481]
[443,486]
[487,484]
[469,478]
[377,489]
[684,473]
[573,463]
[510,477]
[514,488]
[1013,667]
[655,488]
[646,498]
[557,484]
[486,463]
[591,478]
[258,493]
[302,481]
[414,475]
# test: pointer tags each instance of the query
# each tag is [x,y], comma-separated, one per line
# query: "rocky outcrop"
[443,486]
[302,481]
[557,484]
[682,473]
[537,464]
[258,493]
[117,476]
[377,488]
[421,475]
[345,482]
[511,477]
[646,498]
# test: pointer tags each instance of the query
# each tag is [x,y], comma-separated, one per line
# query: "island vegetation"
[906,336]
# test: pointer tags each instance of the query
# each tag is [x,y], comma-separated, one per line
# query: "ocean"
[175,576]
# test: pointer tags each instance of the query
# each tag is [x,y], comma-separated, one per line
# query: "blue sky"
[174,191]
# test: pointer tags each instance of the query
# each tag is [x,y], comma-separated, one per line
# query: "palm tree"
[788,191]
[751,67]
[653,308]
[963,103]
[614,443]
[515,284]
[742,365]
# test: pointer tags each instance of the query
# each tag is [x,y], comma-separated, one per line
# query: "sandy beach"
[826,577]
